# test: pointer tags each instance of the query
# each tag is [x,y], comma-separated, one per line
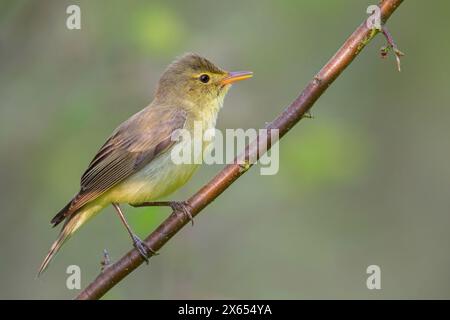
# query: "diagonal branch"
[284,122]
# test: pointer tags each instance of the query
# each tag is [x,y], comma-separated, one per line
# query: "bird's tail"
[73,222]
[63,236]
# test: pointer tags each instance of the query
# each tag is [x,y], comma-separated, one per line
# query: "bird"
[134,165]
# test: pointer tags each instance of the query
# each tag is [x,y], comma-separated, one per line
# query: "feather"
[133,145]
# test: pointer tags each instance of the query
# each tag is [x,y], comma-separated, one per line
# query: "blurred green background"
[365,182]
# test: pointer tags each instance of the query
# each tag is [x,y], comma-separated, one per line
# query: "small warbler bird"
[134,166]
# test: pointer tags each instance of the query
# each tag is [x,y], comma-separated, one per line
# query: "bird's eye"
[204,78]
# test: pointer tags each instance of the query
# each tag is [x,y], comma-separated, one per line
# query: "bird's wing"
[132,146]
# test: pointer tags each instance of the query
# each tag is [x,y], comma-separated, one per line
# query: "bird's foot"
[182,207]
[143,248]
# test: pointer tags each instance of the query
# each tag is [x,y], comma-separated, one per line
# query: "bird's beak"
[235,76]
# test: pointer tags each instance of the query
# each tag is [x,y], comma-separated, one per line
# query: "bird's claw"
[143,248]
[182,207]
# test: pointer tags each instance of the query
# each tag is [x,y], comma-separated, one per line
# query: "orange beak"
[235,76]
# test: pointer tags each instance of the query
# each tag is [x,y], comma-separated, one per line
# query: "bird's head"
[196,81]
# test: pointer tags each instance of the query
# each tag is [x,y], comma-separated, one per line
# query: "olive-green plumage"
[134,165]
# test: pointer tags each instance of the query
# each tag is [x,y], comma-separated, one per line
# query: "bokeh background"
[365,182]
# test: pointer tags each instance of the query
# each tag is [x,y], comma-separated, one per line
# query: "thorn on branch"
[243,167]
[308,115]
[391,45]
[106,261]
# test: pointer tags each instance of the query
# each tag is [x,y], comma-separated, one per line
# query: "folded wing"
[133,145]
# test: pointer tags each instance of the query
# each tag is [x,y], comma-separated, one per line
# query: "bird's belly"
[157,179]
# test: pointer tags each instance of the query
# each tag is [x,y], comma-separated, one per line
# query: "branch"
[391,45]
[284,122]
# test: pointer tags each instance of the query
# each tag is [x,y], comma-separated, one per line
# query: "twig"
[106,261]
[284,122]
[391,45]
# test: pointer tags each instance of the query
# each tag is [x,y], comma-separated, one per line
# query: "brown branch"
[284,122]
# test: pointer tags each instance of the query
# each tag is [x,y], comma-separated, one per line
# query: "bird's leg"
[138,243]
[177,207]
